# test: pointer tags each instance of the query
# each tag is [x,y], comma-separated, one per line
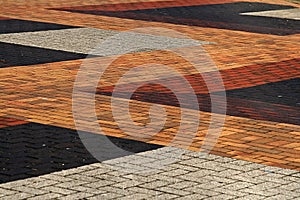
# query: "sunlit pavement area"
[94,103]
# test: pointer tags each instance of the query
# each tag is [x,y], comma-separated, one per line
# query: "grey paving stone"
[285,14]
[5,192]
[251,197]
[154,184]
[264,186]
[82,177]
[97,172]
[237,185]
[84,189]
[245,178]
[164,197]
[116,190]
[127,184]
[192,197]
[169,179]
[181,180]
[184,167]
[183,184]
[84,40]
[144,191]
[233,193]
[199,190]
[219,179]
[81,195]
[30,190]
[57,178]
[210,185]
[170,190]
[46,196]
[222,196]
[58,190]
[136,196]
[291,179]
[43,183]
[212,165]
[69,184]
[69,172]
[98,184]
[21,195]
[227,173]
[175,172]
[197,175]
[278,197]
[140,178]
[286,193]
[105,196]
[258,192]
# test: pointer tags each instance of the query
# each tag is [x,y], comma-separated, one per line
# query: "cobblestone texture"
[171,181]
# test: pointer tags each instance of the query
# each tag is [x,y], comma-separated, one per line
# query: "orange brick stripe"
[146,5]
[7,122]
[236,78]
[4,18]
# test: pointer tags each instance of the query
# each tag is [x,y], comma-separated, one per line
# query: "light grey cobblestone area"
[83,40]
[191,176]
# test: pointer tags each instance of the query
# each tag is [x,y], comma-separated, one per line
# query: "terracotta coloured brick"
[245,60]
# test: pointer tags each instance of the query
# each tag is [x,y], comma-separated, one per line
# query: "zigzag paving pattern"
[53,100]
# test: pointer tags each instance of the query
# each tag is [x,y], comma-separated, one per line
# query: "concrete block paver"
[216,185]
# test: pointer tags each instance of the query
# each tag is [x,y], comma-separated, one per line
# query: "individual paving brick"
[199,190]
[154,184]
[89,190]
[278,196]
[6,192]
[210,185]
[106,196]
[29,189]
[193,196]
[237,186]
[178,192]
[175,172]
[220,179]
[290,186]
[287,193]
[258,192]
[58,190]
[117,190]
[127,184]
[22,195]
[183,184]
[136,196]
[227,173]
[46,196]
[71,183]
[164,196]
[252,197]
[144,191]
[81,195]
[99,184]
[222,196]
[233,193]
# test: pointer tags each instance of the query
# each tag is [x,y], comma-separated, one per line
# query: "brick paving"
[192,176]
[44,46]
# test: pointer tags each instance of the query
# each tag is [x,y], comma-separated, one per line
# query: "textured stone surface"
[103,180]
